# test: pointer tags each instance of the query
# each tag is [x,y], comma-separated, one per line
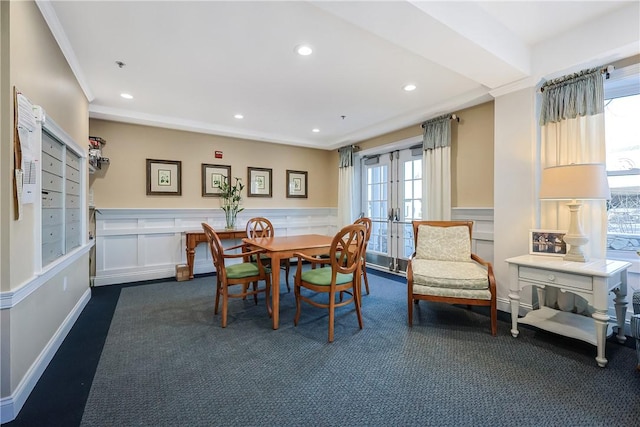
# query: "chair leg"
[268,294]
[287,268]
[296,294]
[255,292]
[357,295]
[218,286]
[494,319]
[364,275]
[332,314]
[225,305]
[410,306]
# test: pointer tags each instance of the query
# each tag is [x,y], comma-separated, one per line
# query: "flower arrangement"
[230,200]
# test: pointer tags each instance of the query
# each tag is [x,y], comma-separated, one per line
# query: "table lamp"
[575,182]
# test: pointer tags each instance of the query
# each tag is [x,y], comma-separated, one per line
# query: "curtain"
[346,178]
[572,120]
[436,168]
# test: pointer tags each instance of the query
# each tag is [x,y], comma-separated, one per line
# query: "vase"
[230,219]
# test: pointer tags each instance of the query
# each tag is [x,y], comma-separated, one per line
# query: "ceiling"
[194,65]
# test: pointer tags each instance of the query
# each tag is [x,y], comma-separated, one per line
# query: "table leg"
[191,252]
[601,318]
[275,288]
[514,296]
[621,307]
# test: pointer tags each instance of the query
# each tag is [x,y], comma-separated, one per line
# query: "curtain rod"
[553,82]
[355,148]
[451,117]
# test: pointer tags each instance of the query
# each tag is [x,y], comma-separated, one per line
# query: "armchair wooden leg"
[410,306]
[494,320]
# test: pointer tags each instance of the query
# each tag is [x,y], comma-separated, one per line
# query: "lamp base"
[575,252]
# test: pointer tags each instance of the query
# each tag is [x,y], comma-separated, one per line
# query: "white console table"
[592,280]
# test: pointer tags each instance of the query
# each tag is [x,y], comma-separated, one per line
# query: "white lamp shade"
[586,181]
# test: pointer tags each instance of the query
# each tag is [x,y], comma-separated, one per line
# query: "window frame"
[621,83]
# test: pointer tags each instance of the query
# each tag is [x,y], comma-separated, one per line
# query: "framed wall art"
[164,177]
[297,184]
[259,182]
[212,176]
[547,242]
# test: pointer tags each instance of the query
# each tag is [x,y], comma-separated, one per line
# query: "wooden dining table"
[278,248]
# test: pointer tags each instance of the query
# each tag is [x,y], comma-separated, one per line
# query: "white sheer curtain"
[572,126]
[346,180]
[436,169]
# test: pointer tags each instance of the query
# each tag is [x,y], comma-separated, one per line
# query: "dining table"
[283,247]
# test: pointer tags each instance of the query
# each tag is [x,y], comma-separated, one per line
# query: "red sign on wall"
[218,154]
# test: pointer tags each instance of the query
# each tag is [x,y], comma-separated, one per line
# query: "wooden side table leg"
[191,252]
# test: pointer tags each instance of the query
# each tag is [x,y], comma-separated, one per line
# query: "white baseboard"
[10,406]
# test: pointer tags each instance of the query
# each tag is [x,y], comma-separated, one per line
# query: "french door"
[392,198]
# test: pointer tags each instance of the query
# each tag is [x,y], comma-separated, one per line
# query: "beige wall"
[472,157]
[39,70]
[122,184]
[471,154]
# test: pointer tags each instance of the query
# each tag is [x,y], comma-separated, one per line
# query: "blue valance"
[436,132]
[578,94]
[345,157]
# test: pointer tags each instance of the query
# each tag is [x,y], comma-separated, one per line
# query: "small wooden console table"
[592,280]
[194,237]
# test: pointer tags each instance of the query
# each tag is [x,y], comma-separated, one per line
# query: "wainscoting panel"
[145,244]
[482,237]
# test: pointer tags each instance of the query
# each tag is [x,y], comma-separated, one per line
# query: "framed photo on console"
[547,242]
[164,177]
[297,184]
[212,176]
[259,182]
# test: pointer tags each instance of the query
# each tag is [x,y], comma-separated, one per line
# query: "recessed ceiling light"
[409,87]
[304,50]
[316,130]
[239,116]
[126,96]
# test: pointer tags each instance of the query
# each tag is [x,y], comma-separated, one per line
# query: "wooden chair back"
[259,227]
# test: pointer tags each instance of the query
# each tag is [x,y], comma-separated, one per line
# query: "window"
[622,135]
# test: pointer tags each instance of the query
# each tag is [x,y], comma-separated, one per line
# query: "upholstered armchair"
[443,269]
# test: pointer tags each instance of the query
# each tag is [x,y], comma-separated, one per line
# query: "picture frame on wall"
[164,177]
[547,242]
[212,176]
[297,184]
[259,182]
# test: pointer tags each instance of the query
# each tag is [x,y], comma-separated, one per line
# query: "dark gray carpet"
[167,362]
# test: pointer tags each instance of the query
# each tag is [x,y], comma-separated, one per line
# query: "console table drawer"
[556,278]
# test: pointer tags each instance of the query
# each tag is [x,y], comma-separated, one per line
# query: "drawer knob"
[551,277]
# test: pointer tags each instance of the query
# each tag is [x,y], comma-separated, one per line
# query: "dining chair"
[367,224]
[340,274]
[244,273]
[261,227]
[443,268]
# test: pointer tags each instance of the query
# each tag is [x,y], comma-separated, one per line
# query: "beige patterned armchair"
[443,269]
